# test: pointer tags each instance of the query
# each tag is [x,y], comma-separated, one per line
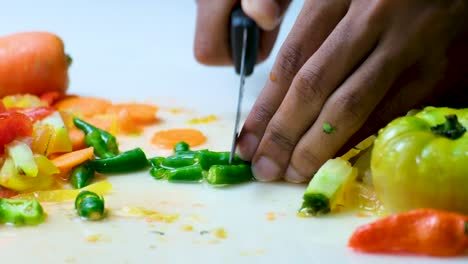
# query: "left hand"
[355,64]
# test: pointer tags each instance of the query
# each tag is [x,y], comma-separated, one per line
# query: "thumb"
[267,13]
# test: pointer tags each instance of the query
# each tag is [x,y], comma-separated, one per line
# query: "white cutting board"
[142,50]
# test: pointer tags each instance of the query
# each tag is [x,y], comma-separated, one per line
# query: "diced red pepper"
[13,125]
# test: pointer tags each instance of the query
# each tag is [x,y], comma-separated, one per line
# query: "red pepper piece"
[12,125]
[422,232]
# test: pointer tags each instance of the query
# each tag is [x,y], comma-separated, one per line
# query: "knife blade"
[244,48]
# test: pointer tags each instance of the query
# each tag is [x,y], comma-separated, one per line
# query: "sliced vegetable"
[169,138]
[32,62]
[22,157]
[326,189]
[138,113]
[53,135]
[156,161]
[210,158]
[104,144]
[72,159]
[229,174]
[131,160]
[21,212]
[181,146]
[421,161]
[90,206]
[192,173]
[328,128]
[158,173]
[101,188]
[422,231]
[13,125]
[84,105]
[179,160]
[82,175]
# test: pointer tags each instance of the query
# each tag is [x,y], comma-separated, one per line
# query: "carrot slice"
[86,106]
[77,138]
[69,160]
[138,112]
[168,138]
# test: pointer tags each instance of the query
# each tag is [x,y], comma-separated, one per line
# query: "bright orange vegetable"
[138,112]
[168,138]
[69,160]
[84,106]
[50,97]
[421,231]
[32,62]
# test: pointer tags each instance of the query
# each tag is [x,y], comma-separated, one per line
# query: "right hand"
[212,30]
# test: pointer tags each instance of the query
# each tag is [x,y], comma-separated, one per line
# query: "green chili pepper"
[104,144]
[229,174]
[90,206]
[21,212]
[188,174]
[156,162]
[82,175]
[210,158]
[158,173]
[181,146]
[131,160]
[179,160]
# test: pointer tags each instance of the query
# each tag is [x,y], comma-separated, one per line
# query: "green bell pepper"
[422,161]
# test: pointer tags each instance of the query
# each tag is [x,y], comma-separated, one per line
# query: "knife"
[244,38]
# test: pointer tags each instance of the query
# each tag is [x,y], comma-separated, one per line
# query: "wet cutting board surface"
[128,51]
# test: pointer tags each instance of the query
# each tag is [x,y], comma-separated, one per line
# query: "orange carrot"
[86,106]
[77,138]
[168,138]
[69,160]
[138,112]
[422,231]
[32,62]
[50,97]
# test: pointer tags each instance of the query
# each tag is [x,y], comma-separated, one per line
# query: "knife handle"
[239,22]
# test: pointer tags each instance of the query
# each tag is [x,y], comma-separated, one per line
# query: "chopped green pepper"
[158,173]
[229,174]
[104,144]
[21,212]
[156,161]
[328,128]
[90,206]
[131,160]
[82,175]
[210,158]
[179,160]
[181,146]
[185,174]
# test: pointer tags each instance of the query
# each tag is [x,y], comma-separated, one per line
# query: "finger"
[211,45]
[350,42]
[346,110]
[267,13]
[315,22]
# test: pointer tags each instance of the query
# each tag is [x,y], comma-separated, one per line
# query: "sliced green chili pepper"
[104,144]
[90,206]
[179,160]
[188,174]
[82,175]
[131,160]
[210,158]
[21,212]
[181,146]
[158,173]
[156,162]
[229,174]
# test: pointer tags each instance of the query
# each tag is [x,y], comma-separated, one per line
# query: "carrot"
[32,62]
[69,160]
[50,97]
[85,106]
[138,112]
[77,138]
[422,231]
[168,138]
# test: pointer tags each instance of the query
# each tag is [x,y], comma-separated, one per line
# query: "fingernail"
[265,12]
[292,175]
[265,169]
[248,143]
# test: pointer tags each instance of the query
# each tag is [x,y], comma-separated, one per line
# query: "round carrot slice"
[138,112]
[86,106]
[168,138]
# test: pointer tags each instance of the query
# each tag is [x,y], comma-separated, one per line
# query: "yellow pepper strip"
[101,188]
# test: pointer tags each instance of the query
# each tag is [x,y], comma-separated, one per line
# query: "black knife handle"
[239,22]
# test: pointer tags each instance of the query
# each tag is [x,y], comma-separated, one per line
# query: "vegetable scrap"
[422,231]
[220,233]
[90,206]
[203,120]
[187,228]
[21,212]
[328,128]
[149,215]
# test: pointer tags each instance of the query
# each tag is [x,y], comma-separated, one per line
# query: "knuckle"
[309,84]
[278,135]
[306,156]
[261,113]
[290,59]
[350,105]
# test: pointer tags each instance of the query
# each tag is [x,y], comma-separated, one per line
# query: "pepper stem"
[451,128]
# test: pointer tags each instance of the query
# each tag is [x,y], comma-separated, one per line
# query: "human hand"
[355,64]
[212,30]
